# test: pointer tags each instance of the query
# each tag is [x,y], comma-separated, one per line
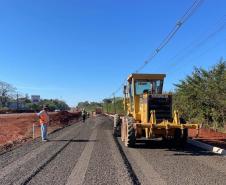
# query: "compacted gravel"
[87,153]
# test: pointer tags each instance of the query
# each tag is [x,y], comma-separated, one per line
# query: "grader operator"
[149,112]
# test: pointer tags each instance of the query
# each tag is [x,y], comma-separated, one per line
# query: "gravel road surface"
[87,153]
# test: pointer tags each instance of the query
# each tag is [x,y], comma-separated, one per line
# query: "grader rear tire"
[117,126]
[179,139]
[115,134]
[185,136]
[130,139]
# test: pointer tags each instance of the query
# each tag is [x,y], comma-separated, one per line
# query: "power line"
[167,39]
[217,44]
[180,56]
[198,42]
[172,33]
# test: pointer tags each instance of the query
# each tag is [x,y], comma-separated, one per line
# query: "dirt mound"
[17,128]
[64,117]
[210,136]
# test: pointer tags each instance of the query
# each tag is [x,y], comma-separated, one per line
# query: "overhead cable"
[189,12]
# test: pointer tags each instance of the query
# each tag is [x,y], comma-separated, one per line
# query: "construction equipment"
[149,112]
[99,110]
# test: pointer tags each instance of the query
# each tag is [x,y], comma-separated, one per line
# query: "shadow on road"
[185,150]
[73,140]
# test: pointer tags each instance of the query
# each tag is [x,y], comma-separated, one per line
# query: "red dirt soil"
[17,128]
[210,136]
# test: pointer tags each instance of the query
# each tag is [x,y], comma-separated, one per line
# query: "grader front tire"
[123,130]
[117,126]
[130,139]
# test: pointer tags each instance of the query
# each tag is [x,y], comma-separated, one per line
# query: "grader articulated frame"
[149,112]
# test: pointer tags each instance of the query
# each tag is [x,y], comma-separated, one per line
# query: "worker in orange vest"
[83,114]
[44,120]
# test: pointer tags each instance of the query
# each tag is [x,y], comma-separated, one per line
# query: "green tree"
[89,106]
[6,91]
[201,96]
[109,104]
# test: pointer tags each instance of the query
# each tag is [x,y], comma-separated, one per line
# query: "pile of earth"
[64,117]
[210,136]
[18,128]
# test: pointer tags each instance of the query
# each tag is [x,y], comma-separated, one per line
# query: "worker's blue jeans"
[44,131]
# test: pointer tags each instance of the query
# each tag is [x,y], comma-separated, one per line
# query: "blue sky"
[83,49]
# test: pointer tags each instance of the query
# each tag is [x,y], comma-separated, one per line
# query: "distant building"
[35,98]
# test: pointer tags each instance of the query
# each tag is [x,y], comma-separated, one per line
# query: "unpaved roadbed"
[87,153]
[18,128]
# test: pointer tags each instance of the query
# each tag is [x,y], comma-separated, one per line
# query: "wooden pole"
[33,131]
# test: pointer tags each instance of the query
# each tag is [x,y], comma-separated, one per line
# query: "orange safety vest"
[43,118]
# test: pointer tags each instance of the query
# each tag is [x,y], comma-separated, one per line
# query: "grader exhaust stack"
[149,112]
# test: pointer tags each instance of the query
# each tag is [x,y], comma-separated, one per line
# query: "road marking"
[78,173]
[22,160]
[147,170]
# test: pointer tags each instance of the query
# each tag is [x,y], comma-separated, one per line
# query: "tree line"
[201,96]
[10,100]
[109,105]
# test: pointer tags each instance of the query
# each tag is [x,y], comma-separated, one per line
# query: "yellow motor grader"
[149,112]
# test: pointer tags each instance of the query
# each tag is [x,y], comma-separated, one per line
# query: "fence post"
[33,131]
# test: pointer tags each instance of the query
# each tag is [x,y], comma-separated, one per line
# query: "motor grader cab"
[149,112]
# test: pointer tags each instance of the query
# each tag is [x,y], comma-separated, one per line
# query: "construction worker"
[83,115]
[44,120]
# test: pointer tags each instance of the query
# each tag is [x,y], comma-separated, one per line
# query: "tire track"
[9,157]
[43,165]
[29,177]
[22,160]
[78,173]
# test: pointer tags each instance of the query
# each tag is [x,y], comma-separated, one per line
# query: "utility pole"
[114,103]
[17,101]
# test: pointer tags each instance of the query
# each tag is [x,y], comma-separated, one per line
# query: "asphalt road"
[87,153]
